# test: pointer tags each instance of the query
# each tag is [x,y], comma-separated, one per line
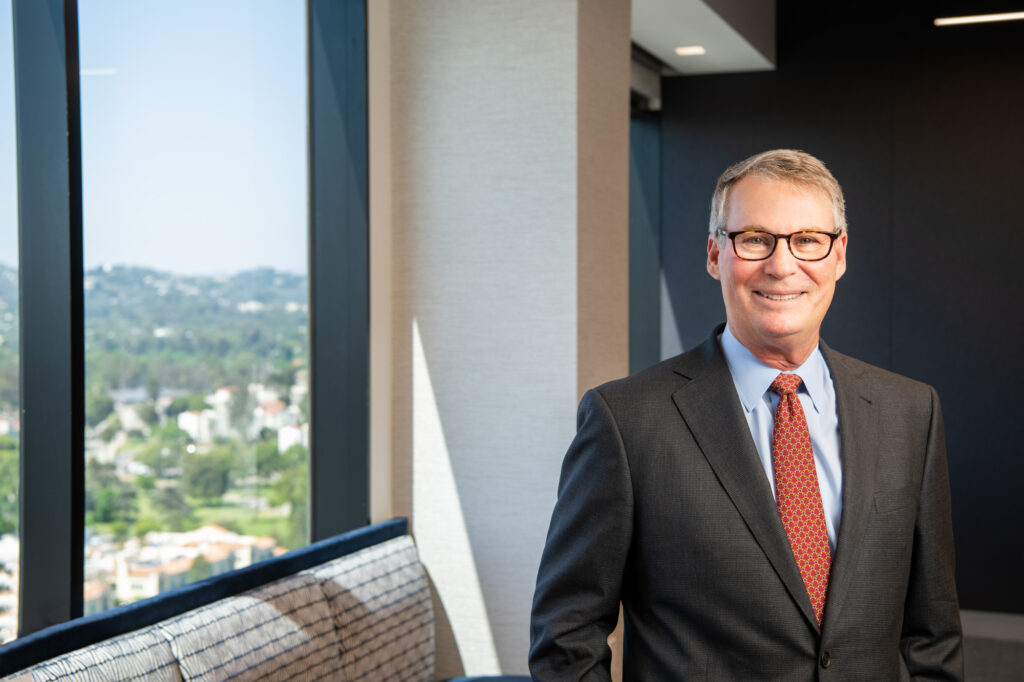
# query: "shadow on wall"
[482,416]
[445,646]
[448,482]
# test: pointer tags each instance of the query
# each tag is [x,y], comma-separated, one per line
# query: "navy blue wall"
[924,128]
[644,240]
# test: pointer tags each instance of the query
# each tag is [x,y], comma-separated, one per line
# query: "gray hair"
[787,165]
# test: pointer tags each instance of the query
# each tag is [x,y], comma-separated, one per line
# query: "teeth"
[780,297]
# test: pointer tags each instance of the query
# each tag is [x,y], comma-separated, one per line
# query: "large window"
[191,199]
[194,175]
[9,419]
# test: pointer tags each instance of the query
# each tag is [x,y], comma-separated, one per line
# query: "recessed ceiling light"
[691,50]
[979,18]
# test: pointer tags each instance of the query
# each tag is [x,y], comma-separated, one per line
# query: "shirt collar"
[753,378]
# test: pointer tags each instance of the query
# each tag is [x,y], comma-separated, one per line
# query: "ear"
[840,248]
[714,251]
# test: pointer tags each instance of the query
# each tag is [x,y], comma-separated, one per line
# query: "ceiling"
[738,35]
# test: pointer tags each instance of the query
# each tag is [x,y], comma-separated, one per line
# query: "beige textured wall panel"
[603,167]
[484,215]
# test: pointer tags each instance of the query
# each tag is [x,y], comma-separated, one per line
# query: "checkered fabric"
[140,655]
[382,610]
[281,631]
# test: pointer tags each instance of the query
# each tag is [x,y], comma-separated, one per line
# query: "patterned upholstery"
[141,655]
[362,617]
[281,631]
[380,599]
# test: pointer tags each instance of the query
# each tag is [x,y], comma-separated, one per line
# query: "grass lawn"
[228,513]
[241,520]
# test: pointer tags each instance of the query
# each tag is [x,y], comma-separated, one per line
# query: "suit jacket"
[663,505]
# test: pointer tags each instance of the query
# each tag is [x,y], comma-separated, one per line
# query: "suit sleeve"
[931,641]
[576,603]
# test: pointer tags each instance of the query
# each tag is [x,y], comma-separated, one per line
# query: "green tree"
[110,429]
[206,476]
[103,505]
[184,403]
[283,378]
[147,413]
[172,506]
[107,497]
[158,457]
[240,410]
[8,375]
[292,488]
[153,387]
[170,434]
[145,525]
[8,485]
[200,569]
[268,459]
[98,406]
[162,451]
[121,530]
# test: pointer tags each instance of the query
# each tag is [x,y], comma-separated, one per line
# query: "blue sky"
[193,134]
[8,189]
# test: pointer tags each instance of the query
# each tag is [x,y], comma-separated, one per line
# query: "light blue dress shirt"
[752,379]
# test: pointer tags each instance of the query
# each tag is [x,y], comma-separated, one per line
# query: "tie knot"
[785,384]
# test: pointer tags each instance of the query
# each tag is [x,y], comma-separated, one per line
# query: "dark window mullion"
[50,261]
[51,517]
[338,269]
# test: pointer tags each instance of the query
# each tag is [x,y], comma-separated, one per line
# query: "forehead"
[778,206]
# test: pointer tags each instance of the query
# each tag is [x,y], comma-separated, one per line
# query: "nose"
[781,263]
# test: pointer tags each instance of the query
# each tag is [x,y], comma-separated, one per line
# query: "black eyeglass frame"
[777,237]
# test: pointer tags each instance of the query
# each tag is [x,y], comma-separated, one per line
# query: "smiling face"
[775,306]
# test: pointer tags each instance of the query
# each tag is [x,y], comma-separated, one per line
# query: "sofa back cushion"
[380,600]
[281,631]
[141,655]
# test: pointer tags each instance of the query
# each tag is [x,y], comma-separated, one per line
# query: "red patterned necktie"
[797,493]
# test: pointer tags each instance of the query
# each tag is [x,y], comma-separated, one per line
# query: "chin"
[779,329]
[777,333]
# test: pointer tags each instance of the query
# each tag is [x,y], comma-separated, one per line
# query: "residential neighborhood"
[196,435]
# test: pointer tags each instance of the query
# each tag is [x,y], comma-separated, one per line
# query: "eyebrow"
[761,228]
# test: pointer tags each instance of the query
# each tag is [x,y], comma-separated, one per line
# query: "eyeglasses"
[808,245]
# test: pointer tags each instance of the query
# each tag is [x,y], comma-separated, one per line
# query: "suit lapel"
[711,409]
[859,442]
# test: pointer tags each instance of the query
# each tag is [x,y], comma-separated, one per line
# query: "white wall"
[499,224]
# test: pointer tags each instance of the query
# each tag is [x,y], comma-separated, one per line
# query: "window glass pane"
[195,222]
[9,360]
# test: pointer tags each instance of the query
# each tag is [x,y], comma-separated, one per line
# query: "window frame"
[52,461]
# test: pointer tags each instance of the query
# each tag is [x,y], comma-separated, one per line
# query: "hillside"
[8,337]
[166,331]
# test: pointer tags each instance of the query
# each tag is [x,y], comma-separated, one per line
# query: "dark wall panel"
[644,241]
[922,126]
[958,164]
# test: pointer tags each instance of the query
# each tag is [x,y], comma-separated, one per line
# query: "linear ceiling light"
[979,18]
[691,50]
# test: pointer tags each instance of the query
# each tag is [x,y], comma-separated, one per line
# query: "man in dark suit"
[763,507]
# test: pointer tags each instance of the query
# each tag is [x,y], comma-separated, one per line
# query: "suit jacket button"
[825,659]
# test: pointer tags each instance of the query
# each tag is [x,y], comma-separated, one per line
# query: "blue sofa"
[353,607]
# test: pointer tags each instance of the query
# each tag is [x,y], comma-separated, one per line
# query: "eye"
[753,239]
[809,239]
